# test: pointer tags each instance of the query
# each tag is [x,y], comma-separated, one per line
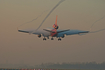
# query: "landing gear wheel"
[52,38]
[59,39]
[47,37]
[44,38]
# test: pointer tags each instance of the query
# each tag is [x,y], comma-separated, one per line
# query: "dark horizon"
[72,65]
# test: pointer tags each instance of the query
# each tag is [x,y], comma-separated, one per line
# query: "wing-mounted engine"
[39,35]
[55,26]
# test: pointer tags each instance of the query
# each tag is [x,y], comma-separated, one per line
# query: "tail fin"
[55,26]
[56,20]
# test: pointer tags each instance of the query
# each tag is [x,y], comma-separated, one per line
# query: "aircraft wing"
[30,31]
[70,32]
[23,31]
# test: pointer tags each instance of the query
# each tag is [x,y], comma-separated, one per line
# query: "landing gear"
[59,39]
[44,38]
[47,37]
[52,38]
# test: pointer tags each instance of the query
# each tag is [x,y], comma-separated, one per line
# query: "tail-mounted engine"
[55,26]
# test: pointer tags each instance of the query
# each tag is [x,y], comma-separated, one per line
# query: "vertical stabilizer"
[56,20]
[55,26]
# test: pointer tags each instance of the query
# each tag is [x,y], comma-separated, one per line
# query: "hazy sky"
[16,48]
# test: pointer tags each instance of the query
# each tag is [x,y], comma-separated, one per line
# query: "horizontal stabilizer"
[49,30]
[57,31]
[63,31]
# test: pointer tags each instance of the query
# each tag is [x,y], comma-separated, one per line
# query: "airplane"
[53,32]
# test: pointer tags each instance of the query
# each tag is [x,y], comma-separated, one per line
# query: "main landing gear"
[52,38]
[59,39]
[44,38]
